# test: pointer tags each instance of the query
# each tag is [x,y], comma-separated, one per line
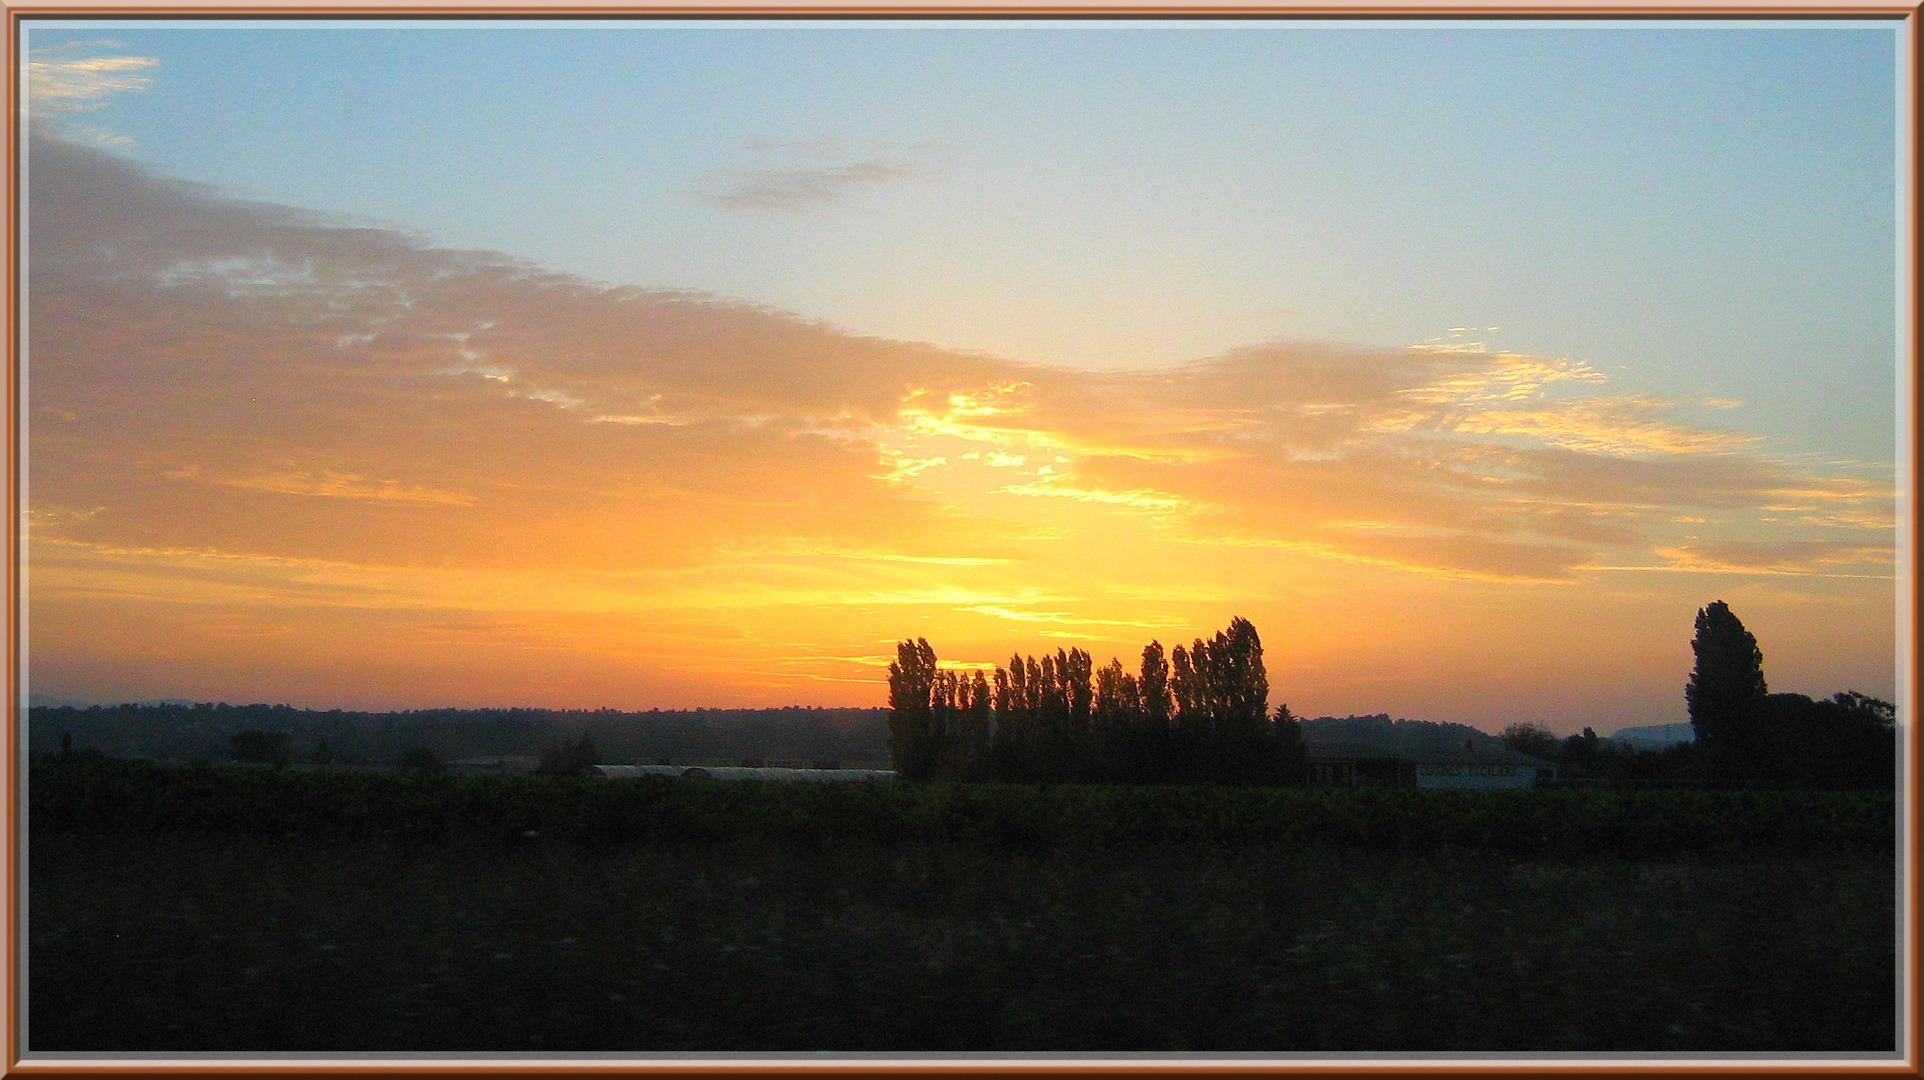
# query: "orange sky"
[273,458]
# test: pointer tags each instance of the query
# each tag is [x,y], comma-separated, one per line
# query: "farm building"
[780,775]
[1352,764]
[1348,764]
[495,763]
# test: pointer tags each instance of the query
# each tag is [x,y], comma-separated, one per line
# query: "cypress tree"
[1292,757]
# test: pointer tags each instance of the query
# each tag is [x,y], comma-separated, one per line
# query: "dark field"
[226,937]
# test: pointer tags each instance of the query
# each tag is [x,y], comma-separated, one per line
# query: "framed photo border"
[13,808]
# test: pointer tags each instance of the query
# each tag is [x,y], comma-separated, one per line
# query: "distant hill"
[38,700]
[1409,736]
[1424,735]
[1656,736]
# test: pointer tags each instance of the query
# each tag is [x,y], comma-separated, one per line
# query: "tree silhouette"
[419,759]
[1155,760]
[1222,731]
[1846,741]
[1533,739]
[1863,736]
[1056,718]
[1242,696]
[1291,756]
[261,746]
[977,731]
[1075,670]
[960,722]
[912,737]
[1727,684]
[569,758]
[1009,749]
[1154,681]
[1189,715]
[1240,744]
[1117,723]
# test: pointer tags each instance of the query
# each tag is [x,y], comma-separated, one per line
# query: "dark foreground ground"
[190,941]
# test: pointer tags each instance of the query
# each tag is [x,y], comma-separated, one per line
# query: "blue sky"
[1702,211]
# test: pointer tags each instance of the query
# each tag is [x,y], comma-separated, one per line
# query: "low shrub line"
[431,808]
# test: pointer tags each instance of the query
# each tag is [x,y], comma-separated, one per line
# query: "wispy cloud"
[1608,425]
[67,79]
[797,177]
[76,77]
[1778,556]
[1058,618]
[1147,500]
[335,485]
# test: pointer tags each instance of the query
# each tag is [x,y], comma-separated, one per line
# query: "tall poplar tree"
[1203,718]
[1727,685]
[1244,684]
[977,729]
[912,736]
[1155,686]
[1240,744]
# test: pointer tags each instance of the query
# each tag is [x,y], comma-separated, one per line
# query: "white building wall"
[1442,775]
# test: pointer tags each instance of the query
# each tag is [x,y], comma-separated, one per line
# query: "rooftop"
[1486,754]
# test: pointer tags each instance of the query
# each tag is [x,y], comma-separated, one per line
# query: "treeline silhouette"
[1747,736]
[1196,715]
[1780,740]
[189,732]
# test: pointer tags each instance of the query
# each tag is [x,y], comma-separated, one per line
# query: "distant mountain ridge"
[38,700]
[1379,731]
[1656,736]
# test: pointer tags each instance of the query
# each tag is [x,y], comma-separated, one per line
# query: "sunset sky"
[648,364]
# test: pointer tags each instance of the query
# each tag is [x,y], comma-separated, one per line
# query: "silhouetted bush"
[262,746]
[420,759]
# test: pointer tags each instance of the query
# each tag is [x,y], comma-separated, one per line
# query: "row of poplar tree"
[1197,715]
